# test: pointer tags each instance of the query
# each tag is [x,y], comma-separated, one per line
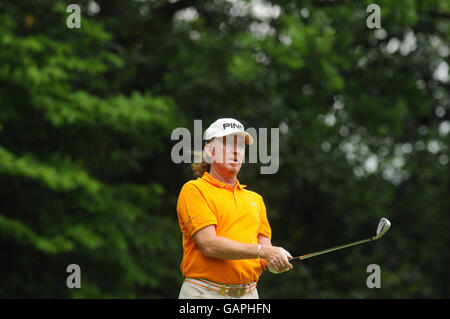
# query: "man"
[226,234]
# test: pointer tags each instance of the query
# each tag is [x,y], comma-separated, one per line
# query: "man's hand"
[277,257]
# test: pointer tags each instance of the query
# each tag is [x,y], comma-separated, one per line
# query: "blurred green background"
[86,117]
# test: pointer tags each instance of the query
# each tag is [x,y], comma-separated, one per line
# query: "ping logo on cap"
[233,125]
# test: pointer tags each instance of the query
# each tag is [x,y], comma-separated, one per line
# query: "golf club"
[382,228]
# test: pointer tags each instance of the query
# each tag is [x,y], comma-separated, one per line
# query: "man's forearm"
[224,248]
[263,240]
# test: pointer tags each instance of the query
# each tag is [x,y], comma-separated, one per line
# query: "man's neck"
[224,179]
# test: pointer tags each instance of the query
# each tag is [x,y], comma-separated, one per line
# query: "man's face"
[228,154]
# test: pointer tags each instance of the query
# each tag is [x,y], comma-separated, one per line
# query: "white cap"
[227,126]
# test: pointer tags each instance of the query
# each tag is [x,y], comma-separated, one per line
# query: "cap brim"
[248,137]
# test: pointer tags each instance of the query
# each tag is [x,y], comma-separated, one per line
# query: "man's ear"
[209,152]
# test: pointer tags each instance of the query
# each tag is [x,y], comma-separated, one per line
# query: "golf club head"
[383,227]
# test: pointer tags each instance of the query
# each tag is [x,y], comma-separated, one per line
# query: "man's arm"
[212,245]
[263,240]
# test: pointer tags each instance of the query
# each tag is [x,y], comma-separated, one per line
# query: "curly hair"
[200,167]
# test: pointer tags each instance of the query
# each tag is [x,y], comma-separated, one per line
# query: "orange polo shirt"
[238,214]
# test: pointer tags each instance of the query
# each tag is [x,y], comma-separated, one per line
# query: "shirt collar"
[207,177]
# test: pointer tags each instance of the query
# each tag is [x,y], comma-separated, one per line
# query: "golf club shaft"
[324,251]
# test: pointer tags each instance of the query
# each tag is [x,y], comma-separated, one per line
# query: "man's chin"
[233,167]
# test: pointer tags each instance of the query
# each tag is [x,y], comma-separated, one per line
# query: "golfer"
[226,234]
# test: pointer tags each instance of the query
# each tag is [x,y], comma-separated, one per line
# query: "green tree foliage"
[86,116]
[76,161]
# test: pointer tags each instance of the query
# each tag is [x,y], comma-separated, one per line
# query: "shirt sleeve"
[193,210]
[264,226]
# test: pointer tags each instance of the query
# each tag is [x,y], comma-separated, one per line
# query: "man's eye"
[231,143]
